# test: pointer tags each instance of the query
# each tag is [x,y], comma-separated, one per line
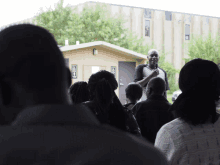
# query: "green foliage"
[204,48]
[97,24]
[55,21]
[171,72]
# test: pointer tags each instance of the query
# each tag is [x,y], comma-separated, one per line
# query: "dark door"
[126,75]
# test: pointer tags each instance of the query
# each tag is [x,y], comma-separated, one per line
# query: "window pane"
[187,29]
[207,20]
[147,13]
[168,15]
[95,69]
[147,28]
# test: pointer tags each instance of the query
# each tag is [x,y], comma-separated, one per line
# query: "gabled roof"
[106,45]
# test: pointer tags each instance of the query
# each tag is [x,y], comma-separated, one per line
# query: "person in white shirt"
[194,136]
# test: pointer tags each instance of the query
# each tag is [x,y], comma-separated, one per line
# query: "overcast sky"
[17,10]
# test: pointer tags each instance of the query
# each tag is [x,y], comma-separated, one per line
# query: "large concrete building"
[168,30]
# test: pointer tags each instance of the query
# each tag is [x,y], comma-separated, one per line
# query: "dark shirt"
[123,120]
[139,74]
[151,115]
[64,134]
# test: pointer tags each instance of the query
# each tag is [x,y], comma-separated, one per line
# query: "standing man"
[144,72]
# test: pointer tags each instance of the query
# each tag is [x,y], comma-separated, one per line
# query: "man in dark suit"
[46,127]
[153,113]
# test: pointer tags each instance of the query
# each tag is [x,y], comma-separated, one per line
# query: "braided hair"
[79,92]
[101,87]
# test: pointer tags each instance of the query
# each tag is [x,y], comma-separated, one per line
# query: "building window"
[207,20]
[168,16]
[187,32]
[147,28]
[147,13]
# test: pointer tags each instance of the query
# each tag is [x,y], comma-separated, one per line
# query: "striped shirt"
[186,144]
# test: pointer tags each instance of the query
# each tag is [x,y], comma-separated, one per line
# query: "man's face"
[153,58]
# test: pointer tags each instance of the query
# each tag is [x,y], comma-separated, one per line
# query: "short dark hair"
[79,92]
[30,56]
[157,85]
[133,91]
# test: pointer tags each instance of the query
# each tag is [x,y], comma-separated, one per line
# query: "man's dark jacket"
[138,75]
[151,115]
[66,135]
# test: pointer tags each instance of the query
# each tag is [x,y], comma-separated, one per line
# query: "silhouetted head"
[32,68]
[133,92]
[101,87]
[156,86]
[79,92]
[199,82]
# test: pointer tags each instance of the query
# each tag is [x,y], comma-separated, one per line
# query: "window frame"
[168,16]
[147,13]
[145,28]
[186,34]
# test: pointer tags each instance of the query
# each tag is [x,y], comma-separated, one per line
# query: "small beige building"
[88,58]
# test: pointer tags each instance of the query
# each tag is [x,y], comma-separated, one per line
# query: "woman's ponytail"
[103,93]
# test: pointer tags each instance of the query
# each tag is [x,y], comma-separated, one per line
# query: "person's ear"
[69,77]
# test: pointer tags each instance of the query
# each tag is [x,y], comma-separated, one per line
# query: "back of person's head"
[101,87]
[156,86]
[133,92]
[79,92]
[199,82]
[31,65]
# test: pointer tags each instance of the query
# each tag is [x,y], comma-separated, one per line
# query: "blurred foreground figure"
[47,128]
[193,137]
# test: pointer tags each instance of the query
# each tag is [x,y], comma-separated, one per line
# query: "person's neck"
[153,66]
[154,94]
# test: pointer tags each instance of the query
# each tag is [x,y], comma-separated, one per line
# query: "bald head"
[156,86]
[153,51]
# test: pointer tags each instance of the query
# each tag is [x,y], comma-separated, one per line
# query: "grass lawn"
[169,98]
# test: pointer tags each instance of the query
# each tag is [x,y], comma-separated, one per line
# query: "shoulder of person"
[141,66]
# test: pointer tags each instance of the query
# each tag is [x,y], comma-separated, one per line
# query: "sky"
[17,10]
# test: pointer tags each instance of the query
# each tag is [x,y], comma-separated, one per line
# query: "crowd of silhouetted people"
[45,119]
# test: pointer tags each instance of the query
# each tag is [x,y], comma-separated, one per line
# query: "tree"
[97,24]
[204,48]
[55,21]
